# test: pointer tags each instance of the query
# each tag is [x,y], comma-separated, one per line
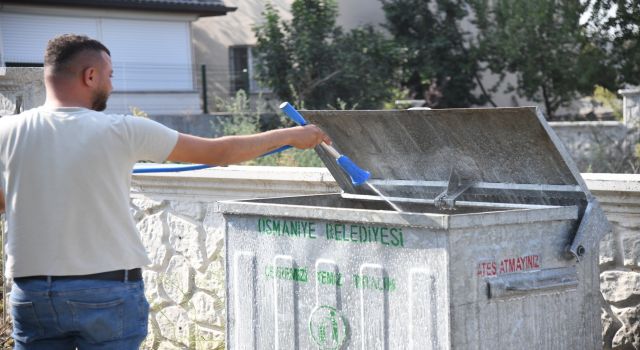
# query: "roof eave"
[199,10]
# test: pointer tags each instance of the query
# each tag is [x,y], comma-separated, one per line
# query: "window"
[147,55]
[242,71]
[23,64]
[239,66]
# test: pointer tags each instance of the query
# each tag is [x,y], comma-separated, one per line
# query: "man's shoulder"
[101,117]
[125,119]
[112,116]
[26,113]
[14,118]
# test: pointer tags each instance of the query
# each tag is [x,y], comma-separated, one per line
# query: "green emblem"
[328,327]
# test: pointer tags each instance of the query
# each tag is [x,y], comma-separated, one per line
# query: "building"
[163,50]
[223,45]
[150,41]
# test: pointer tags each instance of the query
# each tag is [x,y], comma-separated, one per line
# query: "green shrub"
[608,99]
[245,120]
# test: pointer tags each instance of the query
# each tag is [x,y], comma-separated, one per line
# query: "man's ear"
[90,76]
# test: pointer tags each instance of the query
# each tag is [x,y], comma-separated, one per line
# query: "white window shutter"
[149,55]
[25,36]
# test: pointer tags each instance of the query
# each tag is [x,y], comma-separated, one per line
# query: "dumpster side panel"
[513,288]
[314,284]
[592,302]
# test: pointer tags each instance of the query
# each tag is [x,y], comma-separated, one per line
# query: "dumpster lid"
[487,154]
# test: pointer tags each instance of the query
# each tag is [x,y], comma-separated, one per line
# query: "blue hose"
[358,176]
[142,168]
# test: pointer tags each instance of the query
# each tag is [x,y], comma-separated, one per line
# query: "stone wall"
[182,233]
[21,89]
[596,146]
[619,195]
[174,212]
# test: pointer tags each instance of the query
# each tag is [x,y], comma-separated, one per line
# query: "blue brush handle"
[291,112]
[358,176]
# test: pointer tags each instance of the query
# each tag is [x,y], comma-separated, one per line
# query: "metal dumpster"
[496,246]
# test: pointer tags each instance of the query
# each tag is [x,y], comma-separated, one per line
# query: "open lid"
[498,155]
[507,155]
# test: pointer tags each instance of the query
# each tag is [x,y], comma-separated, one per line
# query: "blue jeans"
[82,314]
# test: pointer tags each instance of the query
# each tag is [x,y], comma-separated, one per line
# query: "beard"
[99,102]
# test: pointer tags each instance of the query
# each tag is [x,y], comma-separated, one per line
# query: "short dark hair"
[62,49]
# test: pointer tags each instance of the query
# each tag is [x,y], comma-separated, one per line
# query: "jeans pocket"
[98,322]
[143,310]
[26,326]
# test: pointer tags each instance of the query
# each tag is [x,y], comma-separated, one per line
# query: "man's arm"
[236,149]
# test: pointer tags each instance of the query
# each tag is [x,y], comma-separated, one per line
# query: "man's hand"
[236,149]
[307,136]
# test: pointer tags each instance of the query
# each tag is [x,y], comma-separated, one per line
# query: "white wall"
[354,13]
[214,35]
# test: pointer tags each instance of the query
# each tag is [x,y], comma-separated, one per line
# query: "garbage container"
[495,246]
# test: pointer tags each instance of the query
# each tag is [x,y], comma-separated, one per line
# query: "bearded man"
[73,250]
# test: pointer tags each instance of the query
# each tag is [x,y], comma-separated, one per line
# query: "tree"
[369,68]
[544,43]
[273,56]
[311,61]
[616,27]
[438,63]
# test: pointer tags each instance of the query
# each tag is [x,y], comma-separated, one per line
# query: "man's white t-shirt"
[66,175]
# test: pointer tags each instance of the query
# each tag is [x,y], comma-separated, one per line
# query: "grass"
[245,120]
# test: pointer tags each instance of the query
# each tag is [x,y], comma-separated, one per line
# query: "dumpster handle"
[455,187]
[593,226]
[517,284]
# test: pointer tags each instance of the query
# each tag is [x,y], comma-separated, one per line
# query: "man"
[72,249]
